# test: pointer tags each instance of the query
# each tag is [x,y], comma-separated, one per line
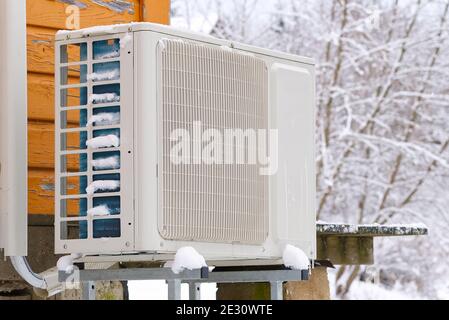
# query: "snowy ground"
[369,291]
[157,290]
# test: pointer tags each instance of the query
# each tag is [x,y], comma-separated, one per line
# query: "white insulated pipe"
[13,128]
[13,139]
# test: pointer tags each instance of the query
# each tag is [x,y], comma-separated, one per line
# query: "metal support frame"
[88,278]
[276,276]
[194,291]
[277,290]
[174,289]
[89,290]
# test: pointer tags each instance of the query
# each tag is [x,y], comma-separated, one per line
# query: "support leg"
[277,290]
[194,291]
[89,290]
[174,289]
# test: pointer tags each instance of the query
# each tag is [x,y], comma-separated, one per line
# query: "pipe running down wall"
[13,139]
[13,128]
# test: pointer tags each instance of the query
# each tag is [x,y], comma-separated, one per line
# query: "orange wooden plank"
[157,11]
[41,89]
[41,92]
[52,14]
[41,192]
[44,17]
[41,144]
[40,48]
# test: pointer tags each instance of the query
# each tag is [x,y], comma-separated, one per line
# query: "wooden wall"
[44,18]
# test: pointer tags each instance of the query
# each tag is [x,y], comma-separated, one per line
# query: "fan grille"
[220,89]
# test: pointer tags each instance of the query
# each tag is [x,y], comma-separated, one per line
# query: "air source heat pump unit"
[166,139]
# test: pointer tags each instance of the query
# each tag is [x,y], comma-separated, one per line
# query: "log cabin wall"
[44,18]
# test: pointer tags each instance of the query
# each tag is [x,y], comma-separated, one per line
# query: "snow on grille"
[88,196]
[223,89]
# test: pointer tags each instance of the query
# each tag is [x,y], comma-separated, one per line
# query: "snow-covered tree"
[382,108]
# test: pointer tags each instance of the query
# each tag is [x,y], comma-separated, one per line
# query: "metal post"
[89,291]
[174,289]
[277,290]
[194,291]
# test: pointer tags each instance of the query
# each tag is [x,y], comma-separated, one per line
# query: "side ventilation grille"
[93,146]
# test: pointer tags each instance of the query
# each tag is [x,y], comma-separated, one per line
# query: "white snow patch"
[65,263]
[371,291]
[187,258]
[125,40]
[102,185]
[99,211]
[106,163]
[103,76]
[226,48]
[99,29]
[111,29]
[108,55]
[295,258]
[104,98]
[399,226]
[103,142]
[104,119]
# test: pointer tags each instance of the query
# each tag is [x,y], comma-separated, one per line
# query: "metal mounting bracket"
[276,276]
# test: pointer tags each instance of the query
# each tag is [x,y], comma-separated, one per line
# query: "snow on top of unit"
[295,258]
[110,29]
[187,258]
[109,163]
[65,263]
[102,185]
[103,142]
[99,211]
[175,29]
[98,30]
[197,26]
[226,48]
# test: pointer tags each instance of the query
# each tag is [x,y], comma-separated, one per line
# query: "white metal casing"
[291,100]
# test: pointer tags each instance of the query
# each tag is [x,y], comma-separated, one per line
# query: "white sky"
[157,290]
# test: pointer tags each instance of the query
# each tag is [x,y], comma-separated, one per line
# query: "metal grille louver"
[92,103]
[223,89]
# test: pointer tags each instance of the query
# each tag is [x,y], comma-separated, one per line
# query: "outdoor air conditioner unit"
[150,122]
